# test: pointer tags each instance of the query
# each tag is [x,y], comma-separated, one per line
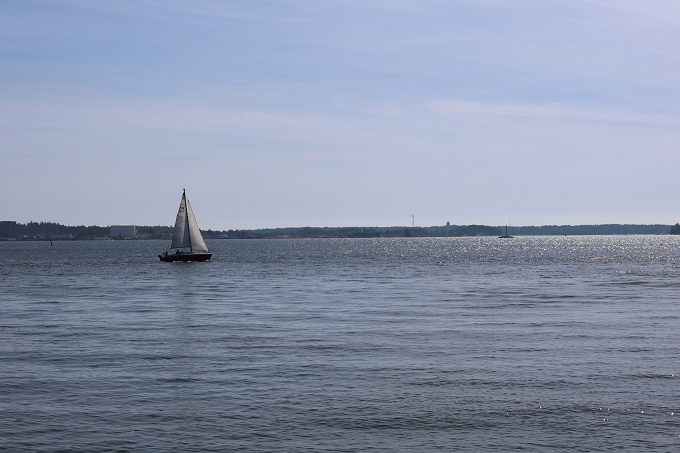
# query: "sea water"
[540,344]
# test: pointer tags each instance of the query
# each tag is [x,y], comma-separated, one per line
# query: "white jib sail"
[197,242]
[180,237]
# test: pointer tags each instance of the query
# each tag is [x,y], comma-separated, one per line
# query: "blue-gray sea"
[534,344]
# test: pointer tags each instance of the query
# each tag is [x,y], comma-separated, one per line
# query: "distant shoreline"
[45,231]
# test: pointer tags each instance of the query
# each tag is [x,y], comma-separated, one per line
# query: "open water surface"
[534,344]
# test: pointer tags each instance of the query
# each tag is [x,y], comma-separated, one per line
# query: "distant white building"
[122,231]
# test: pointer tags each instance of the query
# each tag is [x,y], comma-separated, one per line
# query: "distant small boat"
[506,235]
[186,236]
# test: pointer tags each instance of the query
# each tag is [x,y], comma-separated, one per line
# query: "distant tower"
[448,224]
[9,227]
[123,231]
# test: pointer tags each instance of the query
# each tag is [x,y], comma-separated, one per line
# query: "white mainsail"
[186,232]
[180,237]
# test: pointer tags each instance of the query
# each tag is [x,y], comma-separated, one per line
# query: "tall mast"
[186,217]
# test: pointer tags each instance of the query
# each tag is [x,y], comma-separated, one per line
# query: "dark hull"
[185,257]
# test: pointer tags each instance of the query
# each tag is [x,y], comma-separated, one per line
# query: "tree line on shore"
[45,230]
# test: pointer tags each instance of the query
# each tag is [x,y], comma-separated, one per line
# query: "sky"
[299,113]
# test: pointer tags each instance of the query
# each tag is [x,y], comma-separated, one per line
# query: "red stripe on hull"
[186,257]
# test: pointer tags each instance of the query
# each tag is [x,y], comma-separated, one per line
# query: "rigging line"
[165,222]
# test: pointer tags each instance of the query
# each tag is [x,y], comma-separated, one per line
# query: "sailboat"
[186,236]
[506,235]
